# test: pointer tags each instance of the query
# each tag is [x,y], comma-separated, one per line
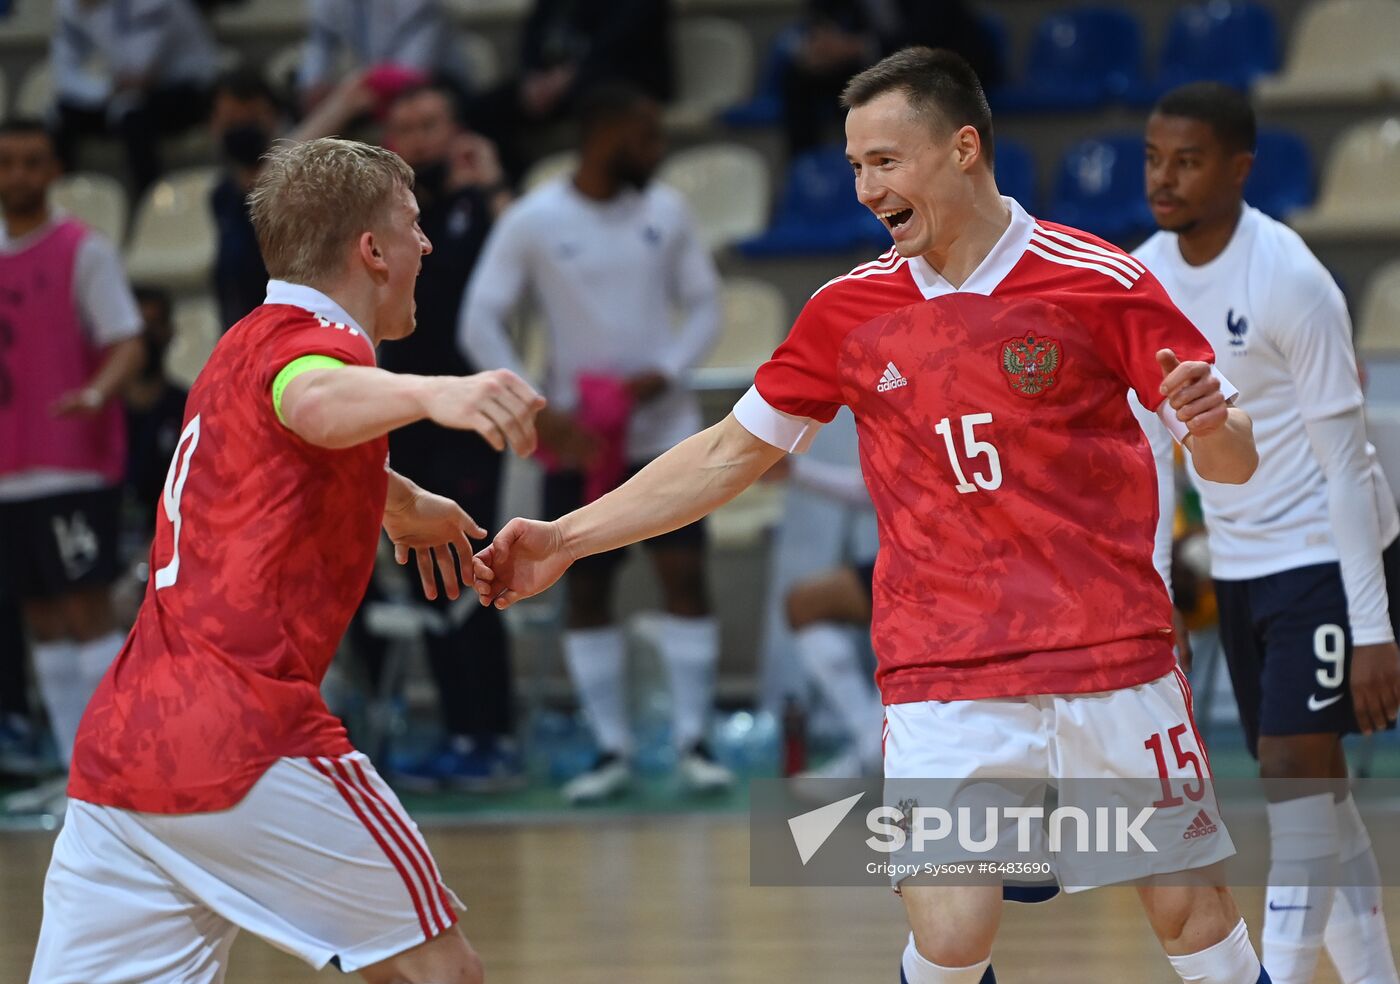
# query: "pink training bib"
[44,353]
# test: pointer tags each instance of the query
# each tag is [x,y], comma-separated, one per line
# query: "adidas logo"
[891,380]
[1202,826]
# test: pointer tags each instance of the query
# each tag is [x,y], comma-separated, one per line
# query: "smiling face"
[1192,178]
[401,246]
[911,174]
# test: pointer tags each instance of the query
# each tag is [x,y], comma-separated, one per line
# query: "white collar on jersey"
[994,266]
[311,299]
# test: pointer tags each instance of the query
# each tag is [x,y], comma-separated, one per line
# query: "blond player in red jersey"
[211,788]
[1019,625]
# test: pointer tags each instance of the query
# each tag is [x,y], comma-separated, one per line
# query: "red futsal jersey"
[264,545]
[1015,490]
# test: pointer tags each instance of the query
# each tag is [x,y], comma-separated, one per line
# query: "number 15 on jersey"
[988,481]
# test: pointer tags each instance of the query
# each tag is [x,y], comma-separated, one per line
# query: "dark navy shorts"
[1287,641]
[57,544]
[865,573]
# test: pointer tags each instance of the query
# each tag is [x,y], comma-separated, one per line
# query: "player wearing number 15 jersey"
[1019,625]
[211,788]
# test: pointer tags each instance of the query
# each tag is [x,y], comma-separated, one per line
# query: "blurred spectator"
[155,412]
[68,318]
[137,69]
[838,38]
[378,37]
[460,190]
[820,605]
[609,256]
[245,119]
[568,47]
[18,746]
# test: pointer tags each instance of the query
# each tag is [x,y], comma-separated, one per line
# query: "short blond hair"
[314,198]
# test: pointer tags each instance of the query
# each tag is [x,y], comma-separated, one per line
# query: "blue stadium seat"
[1079,59]
[1282,179]
[1099,188]
[765,107]
[819,211]
[1015,170]
[1230,41]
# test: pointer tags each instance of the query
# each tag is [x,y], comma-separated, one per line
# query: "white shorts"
[319,859]
[1120,748]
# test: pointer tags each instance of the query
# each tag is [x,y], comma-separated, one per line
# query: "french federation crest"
[1030,363]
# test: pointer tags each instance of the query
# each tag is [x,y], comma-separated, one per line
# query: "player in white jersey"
[609,255]
[1301,554]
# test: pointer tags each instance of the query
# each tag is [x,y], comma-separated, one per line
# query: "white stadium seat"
[197,331]
[1340,51]
[1378,327]
[173,236]
[98,199]
[29,22]
[714,70]
[483,61]
[35,95]
[755,322]
[728,188]
[1360,185]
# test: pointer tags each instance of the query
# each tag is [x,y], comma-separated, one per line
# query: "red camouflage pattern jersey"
[263,548]
[1015,491]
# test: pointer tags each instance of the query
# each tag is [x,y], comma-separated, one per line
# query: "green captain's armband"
[294,369]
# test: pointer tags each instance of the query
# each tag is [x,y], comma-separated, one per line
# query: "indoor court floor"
[666,900]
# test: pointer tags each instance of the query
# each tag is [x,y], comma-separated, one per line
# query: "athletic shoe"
[464,765]
[700,773]
[609,776]
[846,765]
[19,747]
[49,798]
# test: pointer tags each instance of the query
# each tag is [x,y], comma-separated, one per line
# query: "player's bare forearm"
[124,360]
[691,480]
[342,407]
[1227,453]
[401,493]
[339,408]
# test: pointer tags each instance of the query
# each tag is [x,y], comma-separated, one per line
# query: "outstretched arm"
[691,480]
[347,405]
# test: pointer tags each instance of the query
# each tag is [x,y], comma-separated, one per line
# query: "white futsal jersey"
[1281,333]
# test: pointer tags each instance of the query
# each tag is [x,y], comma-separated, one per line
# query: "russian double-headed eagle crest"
[1030,363]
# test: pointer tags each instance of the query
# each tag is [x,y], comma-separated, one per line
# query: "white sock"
[95,656]
[829,656]
[917,970]
[61,686]
[1356,936]
[1302,878]
[690,650]
[1231,961]
[596,659]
